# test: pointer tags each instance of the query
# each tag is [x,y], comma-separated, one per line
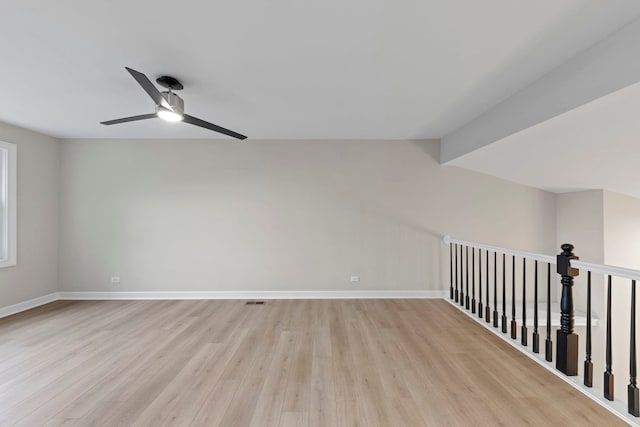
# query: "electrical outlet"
[115,279]
[355,279]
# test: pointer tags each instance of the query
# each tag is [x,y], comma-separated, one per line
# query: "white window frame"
[8,197]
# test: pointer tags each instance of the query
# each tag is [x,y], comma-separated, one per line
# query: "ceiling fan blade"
[198,122]
[129,119]
[150,88]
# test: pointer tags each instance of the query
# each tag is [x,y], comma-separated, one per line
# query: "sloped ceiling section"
[610,65]
[574,129]
[284,68]
[594,146]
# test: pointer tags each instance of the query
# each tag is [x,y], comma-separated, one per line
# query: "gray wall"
[266,215]
[38,169]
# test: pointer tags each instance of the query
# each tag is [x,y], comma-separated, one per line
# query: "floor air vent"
[254,303]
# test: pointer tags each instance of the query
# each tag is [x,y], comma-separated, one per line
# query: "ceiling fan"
[169,106]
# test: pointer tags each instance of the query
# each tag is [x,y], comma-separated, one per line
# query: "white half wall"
[36,274]
[212,215]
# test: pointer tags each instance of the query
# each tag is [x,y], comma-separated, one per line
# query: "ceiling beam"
[608,66]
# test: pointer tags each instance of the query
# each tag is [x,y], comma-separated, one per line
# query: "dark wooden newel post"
[567,340]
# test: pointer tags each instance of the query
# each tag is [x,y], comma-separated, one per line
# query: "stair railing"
[568,266]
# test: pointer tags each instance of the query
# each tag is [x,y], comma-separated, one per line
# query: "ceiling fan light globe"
[169,116]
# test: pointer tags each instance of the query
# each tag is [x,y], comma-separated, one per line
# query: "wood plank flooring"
[295,363]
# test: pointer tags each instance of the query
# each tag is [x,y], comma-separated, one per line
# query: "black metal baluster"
[456,293]
[514,324]
[451,274]
[536,335]
[504,295]
[487,314]
[588,365]
[495,289]
[608,373]
[548,344]
[633,402]
[480,313]
[473,280]
[461,278]
[466,301]
[523,329]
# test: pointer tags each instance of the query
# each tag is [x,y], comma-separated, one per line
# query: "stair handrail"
[606,269]
[568,266]
[529,255]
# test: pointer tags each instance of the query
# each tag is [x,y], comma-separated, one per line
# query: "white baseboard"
[28,305]
[251,295]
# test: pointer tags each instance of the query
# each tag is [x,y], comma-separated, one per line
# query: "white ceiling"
[595,146]
[397,69]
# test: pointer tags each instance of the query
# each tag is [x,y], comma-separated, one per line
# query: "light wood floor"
[388,363]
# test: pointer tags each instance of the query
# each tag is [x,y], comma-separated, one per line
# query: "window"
[8,177]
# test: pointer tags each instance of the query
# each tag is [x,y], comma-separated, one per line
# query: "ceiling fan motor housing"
[169,106]
[176,103]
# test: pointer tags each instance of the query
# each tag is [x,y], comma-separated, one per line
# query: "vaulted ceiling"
[286,69]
